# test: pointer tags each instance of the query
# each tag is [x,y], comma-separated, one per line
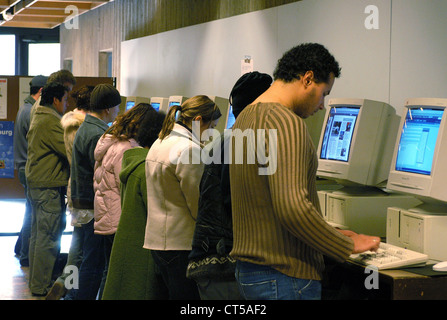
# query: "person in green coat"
[132,273]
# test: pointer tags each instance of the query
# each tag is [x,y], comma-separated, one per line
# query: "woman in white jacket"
[173,172]
[106,183]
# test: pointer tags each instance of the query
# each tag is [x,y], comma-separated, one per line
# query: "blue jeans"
[92,266]
[257,282]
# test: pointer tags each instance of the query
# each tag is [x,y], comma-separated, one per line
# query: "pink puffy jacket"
[106,182]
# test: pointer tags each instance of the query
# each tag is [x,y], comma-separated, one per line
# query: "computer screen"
[231,119]
[420,153]
[130,105]
[357,142]
[338,133]
[418,140]
[156,106]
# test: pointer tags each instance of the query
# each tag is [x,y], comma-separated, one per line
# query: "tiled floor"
[13,277]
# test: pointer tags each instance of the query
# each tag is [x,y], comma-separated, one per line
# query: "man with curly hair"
[280,236]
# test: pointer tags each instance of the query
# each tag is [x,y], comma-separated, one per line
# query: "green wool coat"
[131,274]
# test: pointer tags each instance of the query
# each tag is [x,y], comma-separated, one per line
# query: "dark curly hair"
[52,90]
[306,57]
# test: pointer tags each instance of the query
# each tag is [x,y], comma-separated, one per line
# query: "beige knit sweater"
[277,218]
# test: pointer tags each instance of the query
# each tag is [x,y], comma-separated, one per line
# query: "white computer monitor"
[314,125]
[132,101]
[357,140]
[176,101]
[224,107]
[160,104]
[418,165]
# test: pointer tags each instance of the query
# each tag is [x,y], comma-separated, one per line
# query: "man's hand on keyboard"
[362,242]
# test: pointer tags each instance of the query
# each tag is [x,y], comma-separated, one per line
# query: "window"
[44,58]
[8,55]
[105,63]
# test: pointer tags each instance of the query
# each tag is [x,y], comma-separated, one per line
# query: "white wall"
[201,59]
[418,50]
[405,57]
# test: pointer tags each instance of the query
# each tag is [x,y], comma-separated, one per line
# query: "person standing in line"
[173,172]
[21,128]
[132,274]
[108,156]
[63,77]
[280,236]
[209,262]
[71,121]
[104,107]
[47,174]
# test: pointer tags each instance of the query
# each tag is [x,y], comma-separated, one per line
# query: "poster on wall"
[246,65]
[6,149]
[3,98]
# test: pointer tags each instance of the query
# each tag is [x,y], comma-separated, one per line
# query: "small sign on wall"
[246,65]
[3,98]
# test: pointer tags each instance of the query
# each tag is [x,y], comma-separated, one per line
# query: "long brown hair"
[200,105]
[127,124]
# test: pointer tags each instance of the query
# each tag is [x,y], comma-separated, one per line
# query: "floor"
[13,277]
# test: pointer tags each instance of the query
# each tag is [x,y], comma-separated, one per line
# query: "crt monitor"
[357,140]
[419,161]
[176,101]
[224,106]
[133,101]
[160,104]
[314,125]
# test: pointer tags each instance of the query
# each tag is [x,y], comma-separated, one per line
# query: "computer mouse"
[441,266]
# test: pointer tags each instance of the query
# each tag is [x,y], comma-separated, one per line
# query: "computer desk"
[347,281]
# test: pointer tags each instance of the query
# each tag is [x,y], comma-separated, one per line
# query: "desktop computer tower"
[417,231]
[361,213]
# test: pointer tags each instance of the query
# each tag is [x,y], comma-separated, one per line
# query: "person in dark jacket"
[104,107]
[209,262]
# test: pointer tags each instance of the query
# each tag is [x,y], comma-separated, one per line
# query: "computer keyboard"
[390,257]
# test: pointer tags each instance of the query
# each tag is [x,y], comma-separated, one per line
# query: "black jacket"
[213,235]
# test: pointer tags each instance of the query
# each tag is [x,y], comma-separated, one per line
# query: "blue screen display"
[418,140]
[130,105]
[231,119]
[338,133]
[156,106]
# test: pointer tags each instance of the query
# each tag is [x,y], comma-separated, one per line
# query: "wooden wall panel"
[106,27]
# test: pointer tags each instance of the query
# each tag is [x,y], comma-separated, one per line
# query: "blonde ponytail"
[200,105]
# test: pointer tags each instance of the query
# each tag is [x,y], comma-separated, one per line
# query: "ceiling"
[45,14]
